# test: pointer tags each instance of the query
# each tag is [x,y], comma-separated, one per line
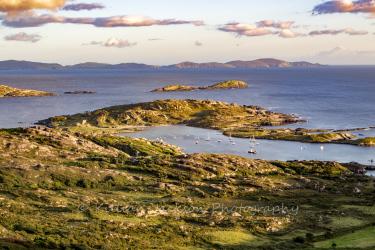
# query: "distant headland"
[259,63]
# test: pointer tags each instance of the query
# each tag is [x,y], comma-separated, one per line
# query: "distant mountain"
[270,62]
[133,66]
[185,65]
[25,65]
[94,65]
[89,65]
[266,62]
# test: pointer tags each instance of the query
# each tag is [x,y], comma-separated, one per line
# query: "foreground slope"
[98,191]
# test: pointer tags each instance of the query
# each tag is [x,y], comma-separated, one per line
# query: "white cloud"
[23,37]
[198,43]
[287,33]
[261,28]
[118,43]
[342,52]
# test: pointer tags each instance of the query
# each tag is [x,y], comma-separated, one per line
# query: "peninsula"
[8,92]
[233,84]
[235,120]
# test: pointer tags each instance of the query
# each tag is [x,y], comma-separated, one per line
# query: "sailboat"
[208,137]
[252,142]
[230,136]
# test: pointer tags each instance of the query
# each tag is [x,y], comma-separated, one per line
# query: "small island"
[81,93]
[233,84]
[8,92]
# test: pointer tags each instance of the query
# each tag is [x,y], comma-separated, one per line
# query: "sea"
[332,97]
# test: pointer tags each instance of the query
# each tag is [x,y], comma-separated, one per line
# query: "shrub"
[299,239]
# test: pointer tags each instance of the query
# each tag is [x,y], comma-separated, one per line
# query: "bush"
[299,239]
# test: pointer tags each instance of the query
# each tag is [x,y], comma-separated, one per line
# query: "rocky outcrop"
[81,92]
[175,88]
[227,85]
[233,84]
[7,92]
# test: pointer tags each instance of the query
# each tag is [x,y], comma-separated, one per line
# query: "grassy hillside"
[62,190]
[197,113]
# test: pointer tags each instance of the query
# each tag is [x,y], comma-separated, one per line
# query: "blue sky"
[147,31]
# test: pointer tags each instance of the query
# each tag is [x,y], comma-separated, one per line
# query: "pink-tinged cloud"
[287,33]
[198,44]
[261,28]
[342,52]
[83,6]
[32,19]
[14,6]
[344,6]
[271,23]
[93,43]
[348,31]
[118,43]
[266,23]
[23,37]
[243,29]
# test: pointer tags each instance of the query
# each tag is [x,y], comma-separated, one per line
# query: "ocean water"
[334,97]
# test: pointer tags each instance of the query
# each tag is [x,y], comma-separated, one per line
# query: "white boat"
[252,151]
[208,137]
[252,143]
[197,142]
[233,143]
[321,147]
[219,141]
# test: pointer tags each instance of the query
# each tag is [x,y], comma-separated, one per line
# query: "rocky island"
[235,120]
[196,113]
[233,84]
[80,92]
[63,190]
[7,92]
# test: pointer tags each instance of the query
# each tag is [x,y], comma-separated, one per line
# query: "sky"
[164,32]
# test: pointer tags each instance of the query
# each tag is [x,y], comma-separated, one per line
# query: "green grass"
[358,239]
[237,238]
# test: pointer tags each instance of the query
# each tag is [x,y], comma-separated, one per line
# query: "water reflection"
[186,138]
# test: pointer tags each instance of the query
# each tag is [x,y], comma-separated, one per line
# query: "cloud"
[348,31]
[243,29]
[287,33]
[198,44]
[23,37]
[32,19]
[261,28]
[155,39]
[118,43]
[83,6]
[93,43]
[344,6]
[14,6]
[342,52]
